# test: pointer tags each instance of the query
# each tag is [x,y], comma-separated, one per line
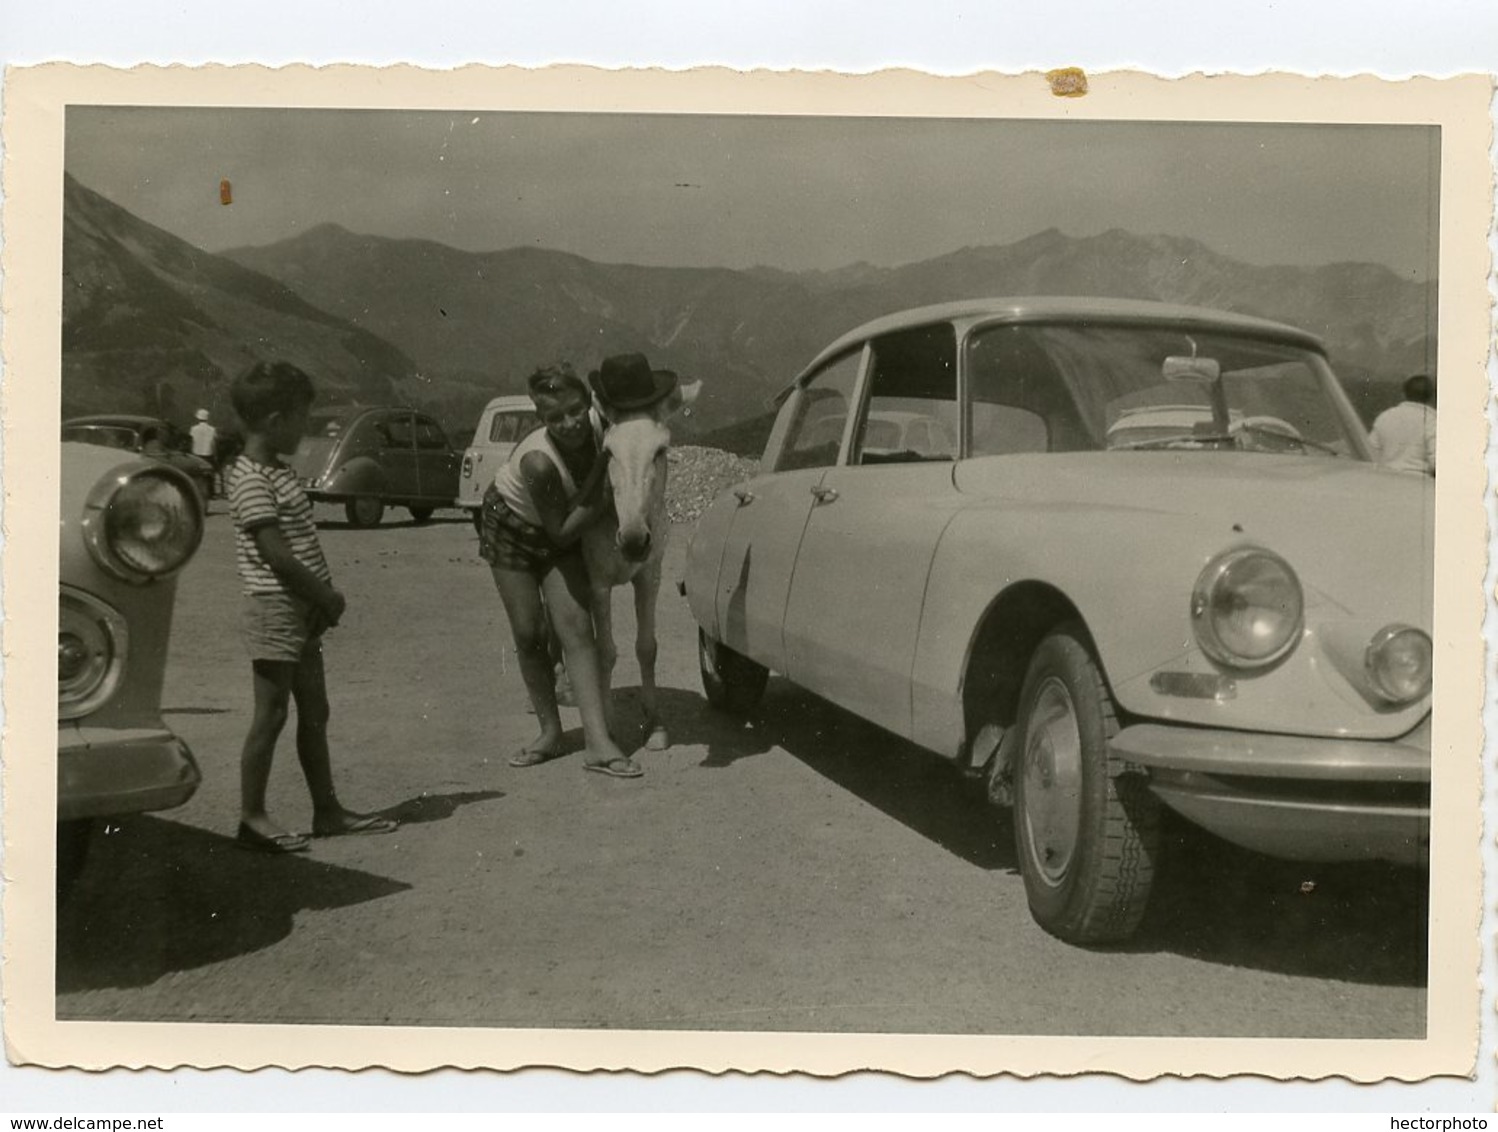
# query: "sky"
[741,191]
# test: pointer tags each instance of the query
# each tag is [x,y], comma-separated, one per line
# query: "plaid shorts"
[278,627]
[508,542]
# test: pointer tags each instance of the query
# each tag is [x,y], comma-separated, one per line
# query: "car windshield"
[1049,388]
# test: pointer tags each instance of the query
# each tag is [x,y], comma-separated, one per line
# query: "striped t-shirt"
[262,495]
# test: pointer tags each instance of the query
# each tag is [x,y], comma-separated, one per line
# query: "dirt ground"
[803,872]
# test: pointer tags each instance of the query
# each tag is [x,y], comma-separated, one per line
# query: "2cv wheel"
[733,682]
[1086,831]
[365,511]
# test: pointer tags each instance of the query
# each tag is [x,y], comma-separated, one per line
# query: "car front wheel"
[366,511]
[1086,828]
[421,514]
[733,682]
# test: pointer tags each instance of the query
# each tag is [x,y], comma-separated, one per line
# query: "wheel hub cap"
[1053,781]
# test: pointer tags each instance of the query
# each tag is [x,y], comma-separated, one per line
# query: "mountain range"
[376,318]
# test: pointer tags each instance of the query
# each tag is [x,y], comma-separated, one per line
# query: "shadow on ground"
[1362,923]
[393,524]
[158,897]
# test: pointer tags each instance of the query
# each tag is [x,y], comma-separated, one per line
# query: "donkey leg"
[608,651]
[647,585]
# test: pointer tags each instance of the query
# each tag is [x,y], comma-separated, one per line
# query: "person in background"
[205,444]
[152,443]
[533,514]
[289,602]
[1404,437]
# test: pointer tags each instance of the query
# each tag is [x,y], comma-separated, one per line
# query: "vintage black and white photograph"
[653,572]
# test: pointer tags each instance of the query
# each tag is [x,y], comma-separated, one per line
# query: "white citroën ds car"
[1161,570]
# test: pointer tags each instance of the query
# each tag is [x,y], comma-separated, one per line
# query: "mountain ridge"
[418,320]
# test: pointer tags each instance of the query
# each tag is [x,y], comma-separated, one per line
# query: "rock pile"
[698,475]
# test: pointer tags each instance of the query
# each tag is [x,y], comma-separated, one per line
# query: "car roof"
[510,403]
[120,420]
[1042,308]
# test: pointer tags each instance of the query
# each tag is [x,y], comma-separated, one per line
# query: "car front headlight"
[143,523]
[92,644]
[1247,608]
[1398,662]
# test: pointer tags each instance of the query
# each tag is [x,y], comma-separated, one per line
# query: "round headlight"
[91,645]
[1399,663]
[152,524]
[1247,608]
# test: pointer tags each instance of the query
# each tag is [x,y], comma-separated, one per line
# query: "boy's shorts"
[279,627]
[510,543]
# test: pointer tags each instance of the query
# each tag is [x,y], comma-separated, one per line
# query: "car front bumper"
[1296,797]
[107,771]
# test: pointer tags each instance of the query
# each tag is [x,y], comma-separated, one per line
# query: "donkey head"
[637,442]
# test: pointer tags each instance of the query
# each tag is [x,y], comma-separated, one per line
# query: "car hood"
[1124,535]
[1258,495]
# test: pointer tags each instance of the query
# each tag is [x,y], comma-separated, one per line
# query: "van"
[504,422]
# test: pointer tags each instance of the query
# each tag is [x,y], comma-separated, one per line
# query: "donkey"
[628,544]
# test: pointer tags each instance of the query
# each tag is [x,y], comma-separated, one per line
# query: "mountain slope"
[153,324]
[488,318]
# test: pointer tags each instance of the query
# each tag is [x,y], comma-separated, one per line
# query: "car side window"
[911,411]
[429,435]
[821,409]
[507,428]
[1019,402]
[397,432]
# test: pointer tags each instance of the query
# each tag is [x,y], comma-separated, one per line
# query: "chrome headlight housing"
[1398,663]
[93,643]
[1247,608]
[143,522]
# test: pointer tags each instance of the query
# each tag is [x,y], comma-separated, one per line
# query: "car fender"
[1132,593]
[359,476]
[988,550]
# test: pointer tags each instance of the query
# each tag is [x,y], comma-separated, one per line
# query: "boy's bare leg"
[310,690]
[567,594]
[522,601]
[273,680]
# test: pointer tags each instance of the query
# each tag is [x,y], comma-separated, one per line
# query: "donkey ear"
[681,399]
[601,409]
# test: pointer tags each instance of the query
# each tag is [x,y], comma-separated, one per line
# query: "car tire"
[73,840]
[733,682]
[365,511]
[477,515]
[1086,827]
[421,514]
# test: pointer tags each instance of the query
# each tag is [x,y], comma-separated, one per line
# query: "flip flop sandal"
[363,826]
[533,758]
[248,838]
[616,768]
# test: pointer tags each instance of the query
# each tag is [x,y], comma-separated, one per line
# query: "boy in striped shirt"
[289,601]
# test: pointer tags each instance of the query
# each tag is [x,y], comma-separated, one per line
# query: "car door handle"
[824,494]
[744,497]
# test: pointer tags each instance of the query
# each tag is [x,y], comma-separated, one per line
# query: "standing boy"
[289,601]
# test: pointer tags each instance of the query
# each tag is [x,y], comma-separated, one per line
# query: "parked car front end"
[128,527]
